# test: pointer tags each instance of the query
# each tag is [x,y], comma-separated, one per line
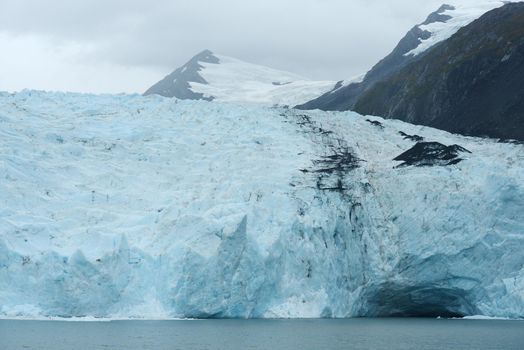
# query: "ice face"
[129,206]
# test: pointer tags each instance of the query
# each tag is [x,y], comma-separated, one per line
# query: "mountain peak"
[206,56]
[178,83]
[439,15]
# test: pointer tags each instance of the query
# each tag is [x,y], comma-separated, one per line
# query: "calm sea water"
[373,334]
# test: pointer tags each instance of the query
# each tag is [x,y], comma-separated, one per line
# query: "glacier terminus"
[128,206]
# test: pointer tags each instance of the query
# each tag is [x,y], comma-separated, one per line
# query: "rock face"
[464,82]
[470,84]
[430,154]
[209,76]
[130,206]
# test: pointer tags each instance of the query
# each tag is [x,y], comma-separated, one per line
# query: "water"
[373,334]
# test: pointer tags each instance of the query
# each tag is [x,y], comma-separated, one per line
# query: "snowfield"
[128,206]
[260,85]
[463,13]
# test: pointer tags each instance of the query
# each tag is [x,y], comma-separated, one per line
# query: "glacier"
[124,206]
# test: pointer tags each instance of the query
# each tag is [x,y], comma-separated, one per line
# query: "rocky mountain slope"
[423,60]
[470,84]
[209,76]
[131,206]
[345,94]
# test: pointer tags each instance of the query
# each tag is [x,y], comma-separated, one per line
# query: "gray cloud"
[322,39]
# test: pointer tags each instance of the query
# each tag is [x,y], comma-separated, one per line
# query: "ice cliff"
[130,206]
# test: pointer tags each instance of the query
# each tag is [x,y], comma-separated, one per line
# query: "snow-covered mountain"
[209,76]
[131,206]
[419,41]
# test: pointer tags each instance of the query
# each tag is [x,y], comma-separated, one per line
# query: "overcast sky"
[127,45]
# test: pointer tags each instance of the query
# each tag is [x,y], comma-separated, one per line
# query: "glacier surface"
[129,206]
